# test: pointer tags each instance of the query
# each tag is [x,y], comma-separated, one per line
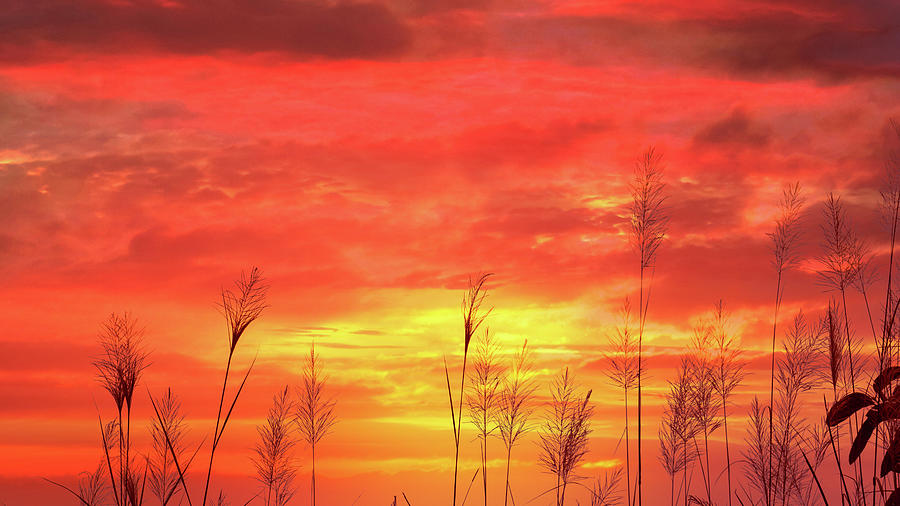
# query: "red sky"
[369,156]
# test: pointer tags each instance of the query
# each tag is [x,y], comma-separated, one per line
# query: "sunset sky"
[368,157]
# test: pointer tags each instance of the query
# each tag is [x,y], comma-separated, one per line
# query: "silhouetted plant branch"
[784,241]
[649,223]
[273,460]
[473,317]
[564,434]
[623,370]
[241,306]
[315,415]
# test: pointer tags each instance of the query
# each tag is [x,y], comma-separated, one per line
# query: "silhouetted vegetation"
[788,443]
[315,410]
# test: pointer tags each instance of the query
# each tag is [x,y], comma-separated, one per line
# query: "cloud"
[738,128]
[48,30]
[846,41]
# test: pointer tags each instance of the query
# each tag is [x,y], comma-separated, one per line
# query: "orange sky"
[368,156]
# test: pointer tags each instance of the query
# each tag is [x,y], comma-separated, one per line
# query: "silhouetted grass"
[483,399]
[678,428]
[784,242]
[623,370]
[241,306]
[515,406]
[649,223]
[164,479]
[564,433]
[728,372]
[274,459]
[315,410]
[704,399]
[604,490]
[473,317]
[119,370]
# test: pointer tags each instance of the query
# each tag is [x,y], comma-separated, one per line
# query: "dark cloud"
[436,6]
[52,29]
[844,42]
[736,128]
[841,47]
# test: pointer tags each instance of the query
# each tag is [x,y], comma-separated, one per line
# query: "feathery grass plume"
[168,429]
[515,406]
[605,489]
[172,434]
[677,428]
[728,371]
[797,374]
[756,454]
[784,242]
[622,371]
[274,451]
[483,399]
[649,223]
[315,415]
[119,370]
[136,483]
[564,434]
[704,398]
[473,317]
[671,454]
[832,348]
[91,487]
[241,306]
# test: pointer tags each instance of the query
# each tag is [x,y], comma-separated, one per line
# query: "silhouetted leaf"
[885,378]
[894,499]
[864,433]
[842,409]
[891,456]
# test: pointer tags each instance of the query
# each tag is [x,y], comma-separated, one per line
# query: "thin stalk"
[837,459]
[727,453]
[506,489]
[212,452]
[128,446]
[708,469]
[859,471]
[462,384]
[108,460]
[121,463]
[836,442]
[640,373]
[484,464]
[887,295]
[813,472]
[703,473]
[627,450]
[313,474]
[671,490]
[778,293]
[558,503]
